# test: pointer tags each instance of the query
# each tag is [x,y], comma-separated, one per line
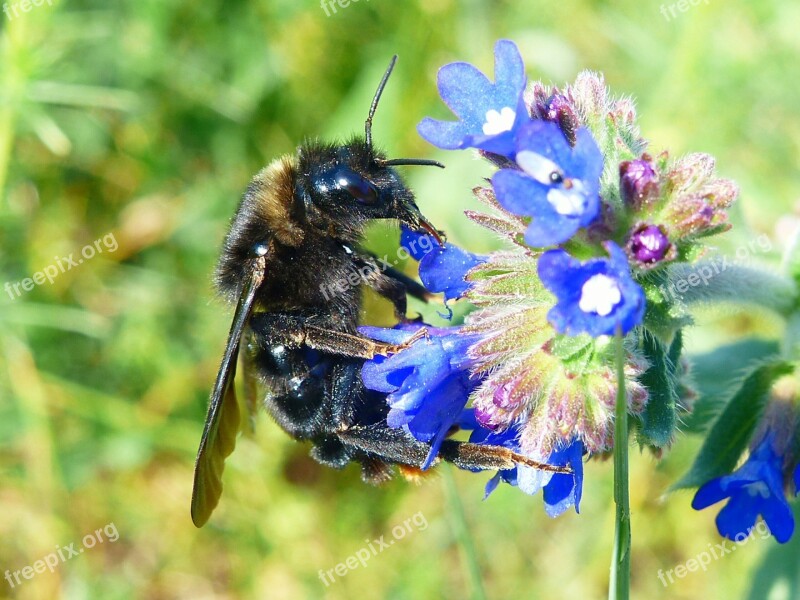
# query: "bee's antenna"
[375,100]
[423,162]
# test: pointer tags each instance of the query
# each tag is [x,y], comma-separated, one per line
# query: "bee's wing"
[250,379]
[223,418]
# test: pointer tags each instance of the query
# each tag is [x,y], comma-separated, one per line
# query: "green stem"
[461,530]
[620,581]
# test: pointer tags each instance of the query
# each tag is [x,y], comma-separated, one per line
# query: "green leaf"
[659,419]
[575,352]
[662,318]
[708,282]
[713,390]
[732,430]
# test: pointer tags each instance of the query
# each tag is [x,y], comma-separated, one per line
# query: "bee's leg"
[295,332]
[356,346]
[413,287]
[395,445]
[391,284]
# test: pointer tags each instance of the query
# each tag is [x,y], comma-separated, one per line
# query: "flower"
[559,490]
[428,384]
[638,181]
[489,113]
[594,297]
[441,267]
[754,488]
[559,185]
[648,244]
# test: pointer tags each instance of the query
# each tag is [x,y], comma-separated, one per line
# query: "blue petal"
[547,139]
[778,516]
[470,95]
[564,491]
[448,135]
[417,244]
[509,69]
[442,270]
[550,229]
[737,517]
[491,485]
[467,92]
[434,419]
[520,194]
[588,155]
[709,493]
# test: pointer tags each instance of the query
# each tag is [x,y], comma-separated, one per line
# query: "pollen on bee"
[414,475]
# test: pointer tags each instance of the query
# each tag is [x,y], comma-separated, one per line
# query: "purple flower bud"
[485,419]
[559,109]
[648,244]
[638,182]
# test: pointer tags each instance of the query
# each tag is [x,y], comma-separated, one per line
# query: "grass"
[146,120]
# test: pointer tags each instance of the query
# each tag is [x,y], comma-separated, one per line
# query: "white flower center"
[498,122]
[570,203]
[541,168]
[600,294]
[758,488]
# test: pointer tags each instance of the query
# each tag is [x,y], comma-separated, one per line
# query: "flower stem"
[461,530]
[620,580]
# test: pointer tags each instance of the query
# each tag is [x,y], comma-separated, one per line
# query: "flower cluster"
[593,224]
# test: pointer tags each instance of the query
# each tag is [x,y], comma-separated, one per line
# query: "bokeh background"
[146,119]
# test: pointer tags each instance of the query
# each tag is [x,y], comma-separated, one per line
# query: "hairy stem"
[620,579]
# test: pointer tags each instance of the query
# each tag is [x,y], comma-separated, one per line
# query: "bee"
[295,235]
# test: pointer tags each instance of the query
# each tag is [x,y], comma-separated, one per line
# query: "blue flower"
[441,268]
[559,490]
[427,385]
[756,488]
[565,490]
[489,113]
[558,184]
[593,297]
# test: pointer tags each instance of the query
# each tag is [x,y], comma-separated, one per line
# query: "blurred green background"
[146,119]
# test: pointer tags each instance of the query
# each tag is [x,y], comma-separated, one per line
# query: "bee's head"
[353,183]
[344,187]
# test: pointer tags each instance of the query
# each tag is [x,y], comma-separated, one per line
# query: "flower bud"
[648,244]
[638,182]
[558,109]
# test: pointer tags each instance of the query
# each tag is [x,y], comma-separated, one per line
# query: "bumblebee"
[295,235]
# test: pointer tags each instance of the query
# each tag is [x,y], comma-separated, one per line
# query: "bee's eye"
[359,188]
